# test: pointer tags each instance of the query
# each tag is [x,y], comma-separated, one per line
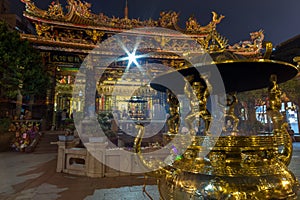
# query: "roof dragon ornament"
[193,26]
[251,47]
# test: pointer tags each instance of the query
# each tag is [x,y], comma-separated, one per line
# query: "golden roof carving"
[80,13]
[192,25]
[79,28]
[250,48]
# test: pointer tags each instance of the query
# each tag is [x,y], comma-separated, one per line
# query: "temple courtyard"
[33,176]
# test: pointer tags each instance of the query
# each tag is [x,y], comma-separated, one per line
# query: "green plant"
[21,68]
[104,121]
[4,124]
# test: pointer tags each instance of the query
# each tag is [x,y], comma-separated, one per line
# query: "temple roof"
[76,28]
[78,14]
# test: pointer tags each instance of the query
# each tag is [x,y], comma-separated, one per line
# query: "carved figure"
[198,96]
[167,19]
[231,103]
[55,10]
[174,118]
[95,35]
[216,19]
[192,24]
[82,9]
[252,47]
[275,104]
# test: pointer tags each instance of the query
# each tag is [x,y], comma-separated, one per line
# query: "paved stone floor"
[33,177]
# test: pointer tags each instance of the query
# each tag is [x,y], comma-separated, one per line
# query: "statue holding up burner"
[198,95]
[231,102]
[275,104]
[174,118]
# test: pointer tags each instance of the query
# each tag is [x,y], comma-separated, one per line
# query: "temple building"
[66,36]
[128,69]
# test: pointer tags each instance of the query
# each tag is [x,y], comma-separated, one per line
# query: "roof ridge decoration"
[252,47]
[193,26]
[79,12]
[77,26]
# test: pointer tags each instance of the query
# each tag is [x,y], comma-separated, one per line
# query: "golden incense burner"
[235,166]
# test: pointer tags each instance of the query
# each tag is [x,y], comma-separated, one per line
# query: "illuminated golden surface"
[231,103]
[275,103]
[242,167]
[174,118]
[230,167]
[198,95]
[235,167]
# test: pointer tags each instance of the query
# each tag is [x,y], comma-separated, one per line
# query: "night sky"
[279,19]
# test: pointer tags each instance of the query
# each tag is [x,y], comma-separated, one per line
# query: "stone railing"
[80,161]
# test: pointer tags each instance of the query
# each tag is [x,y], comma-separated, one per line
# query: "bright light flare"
[131,56]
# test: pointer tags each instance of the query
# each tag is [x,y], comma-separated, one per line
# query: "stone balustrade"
[80,161]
